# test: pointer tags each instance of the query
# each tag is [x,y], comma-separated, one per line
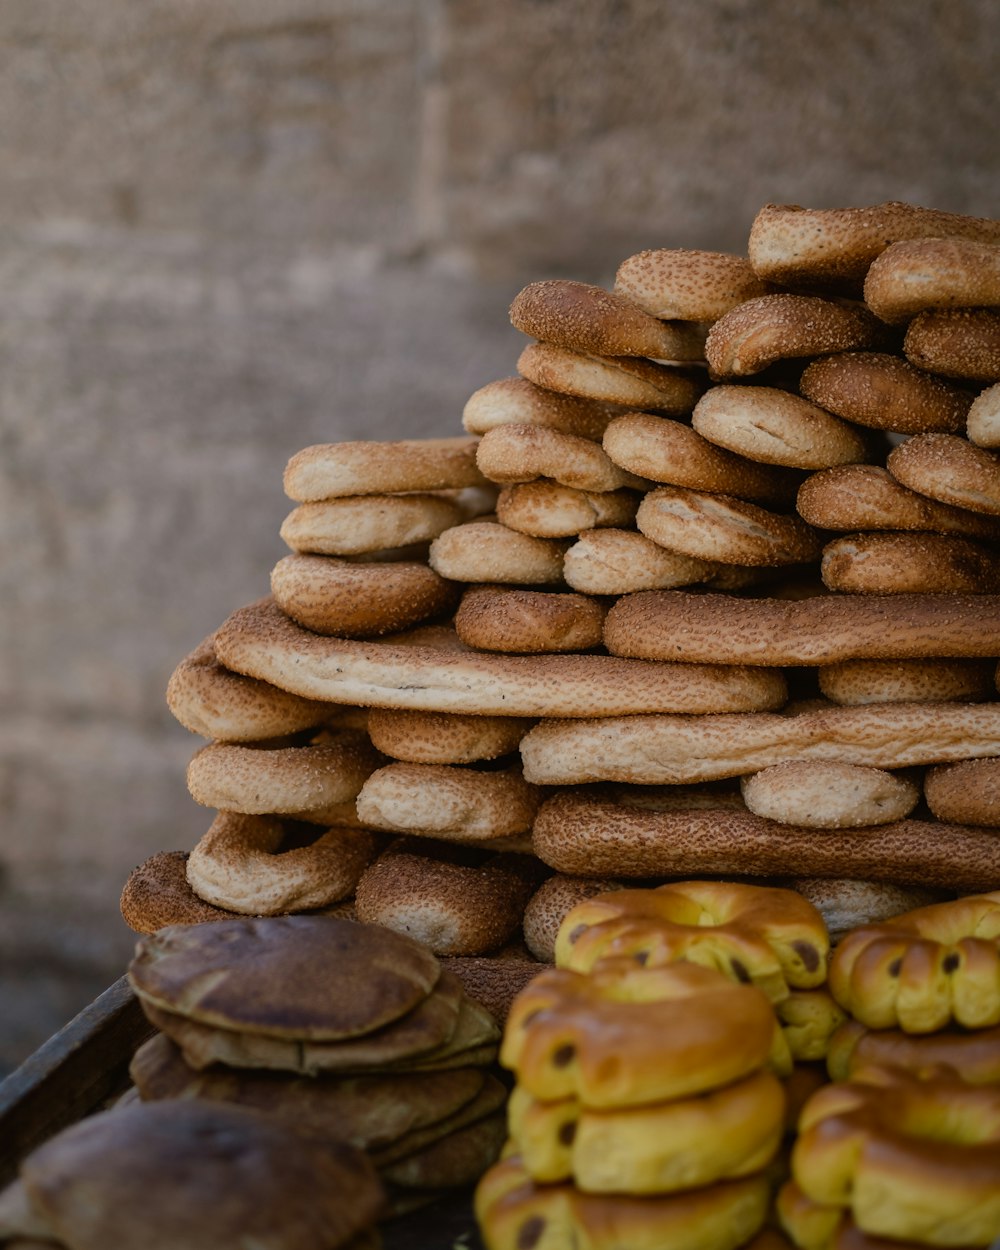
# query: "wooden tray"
[84,1067]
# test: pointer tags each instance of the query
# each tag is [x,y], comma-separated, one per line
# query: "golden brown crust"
[967,793]
[624,380]
[885,393]
[907,681]
[915,274]
[618,562]
[358,524]
[511,619]
[961,343]
[907,563]
[157,893]
[330,470]
[983,426]
[523,453]
[547,510]
[518,401]
[485,551]
[949,469]
[686,285]
[975,1054]
[444,737]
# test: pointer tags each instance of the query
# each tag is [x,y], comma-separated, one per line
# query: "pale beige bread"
[261,640]
[331,470]
[909,563]
[359,524]
[670,451]
[915,274]
[774,427]
[486,551]
[586,318]
[511,618]
[546,509]
[455,903]
[983,424]
[907,681]
[625,380]
[516,401]
[523,453]
[868,497]
[845,903]
[244,864]
[235,778]
[962,343]
[680,284]
[455,804]
[821,629]
[762,331]
[662,750]
[156,893]
[805,246]
[949,469]
[966,793]
[886,393]
[580,833]
[724,529]
[331,596]
[444,737]
[549,905]
[824,795]
[618,562]
[975,1053]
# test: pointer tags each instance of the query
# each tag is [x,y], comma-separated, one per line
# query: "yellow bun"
[500,618]
[545,509]
[444,737]
[983,427]
[907,563]
[967,793]
[885,393]
[915,274]
[973,1053]
[821,795]
[961,343]
[907,681]
[808,1020]
[684,285]
[550,903]
[625,380]
[617,562]
[522,453]
[329,470]
[358,524]
[845,903]
[484,551]
[949,469]
[516,401]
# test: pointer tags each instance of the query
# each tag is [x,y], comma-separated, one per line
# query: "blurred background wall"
[232,228]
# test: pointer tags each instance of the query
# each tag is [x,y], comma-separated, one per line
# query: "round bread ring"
[493,981]
[585,318]
[983,425]
[974,1054]
[516,401]
[874,1146]
[966,793]
[678,284]
[523,453]
[329,470]
[856,682]
[515,1213]
[565,1026]
[547,510]
[773,427]
[359,524]
[549,905]
[618,562]
[724,529]
[157,893]
[906,563]
[822,795]
[884,392]
[924,969]
[624,380]
[770,937]
[500,618]
[669,451]
[762,331]
[663,1148]
[808,1020]
[868,497]
[331,596]
[961,343]
[845,903]
[454,903]
[915,274]
[485,551]
[444,737]
[239,864]
[949,469]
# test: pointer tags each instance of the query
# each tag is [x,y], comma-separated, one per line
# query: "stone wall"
[231,228]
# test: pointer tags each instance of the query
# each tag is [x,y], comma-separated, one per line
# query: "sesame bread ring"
[582,833]
[762,331]
[626,380]
[329,470]
[331,596]
[966,793]
[819,795]
[358,524]
[549,905]
[669,451]
[261,640]
[908,563]
[974,1053]
[450,803]
[502,618]
[916,274]
[522,453]
[547,510]
[724,529]
[243,864]
[845,903]
[924,969]
[678,284]
[983,425]
[618,562]
[949,469]
[885,393]
[588,319]
[444,737]
[910,1159]
[818,630]
[961,343]
[868,497]
[516,401]
[486,551]
[494,980]
[157,893]
[774,427]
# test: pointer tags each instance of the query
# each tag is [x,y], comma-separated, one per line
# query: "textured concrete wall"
[231,228]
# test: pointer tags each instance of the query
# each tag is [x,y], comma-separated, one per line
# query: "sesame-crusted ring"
[516,401]
[916,274]
[845,903]
[514,619]
[949,469]
[962,343]
[329,470]
[909,563]
[486,551]
[359,524]
[444,737]
[908,681]
[618,562]
[685,285]
[548,906]
[983,426]
[545,509]
[523,453]
[817,794]
[627,380]
[966,793]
